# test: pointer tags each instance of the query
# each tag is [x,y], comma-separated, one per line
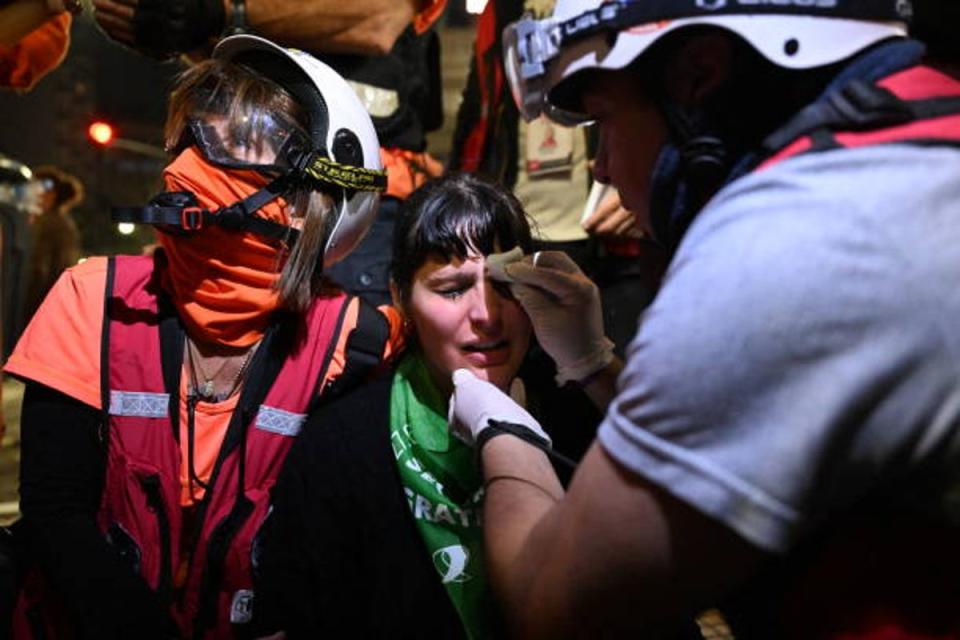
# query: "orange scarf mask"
[222,282]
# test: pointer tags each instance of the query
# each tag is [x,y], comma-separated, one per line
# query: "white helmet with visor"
[334,151]
[342,147]
[580,35]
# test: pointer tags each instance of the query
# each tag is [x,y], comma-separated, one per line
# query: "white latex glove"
[564,308]
[476,402]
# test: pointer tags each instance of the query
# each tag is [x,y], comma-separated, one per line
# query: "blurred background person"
[56,240]
[19,196]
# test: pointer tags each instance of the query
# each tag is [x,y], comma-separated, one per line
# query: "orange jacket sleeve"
[60,348]
[39,52]
[393,348]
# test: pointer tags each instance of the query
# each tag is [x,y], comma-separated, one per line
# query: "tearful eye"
[452,294]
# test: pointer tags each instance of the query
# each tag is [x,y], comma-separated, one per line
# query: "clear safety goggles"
[272,146]
[260,142]
[529,45]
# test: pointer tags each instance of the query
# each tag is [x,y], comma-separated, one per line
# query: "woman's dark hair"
[451,216]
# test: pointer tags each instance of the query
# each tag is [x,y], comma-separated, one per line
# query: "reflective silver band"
[139,404]
[284,423]
[379,102]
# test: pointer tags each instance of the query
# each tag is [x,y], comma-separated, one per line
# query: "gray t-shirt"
[805,347]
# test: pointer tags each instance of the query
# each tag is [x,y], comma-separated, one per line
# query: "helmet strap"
[704,155]
[179,211]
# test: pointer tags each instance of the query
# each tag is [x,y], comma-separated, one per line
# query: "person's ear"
[397,301]
[700,66]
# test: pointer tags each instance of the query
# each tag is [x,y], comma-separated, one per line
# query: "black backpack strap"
[172,340]
[105,342]
[364,351]
[859,106]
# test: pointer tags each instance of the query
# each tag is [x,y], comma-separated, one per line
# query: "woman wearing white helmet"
[163,392]
[785,434]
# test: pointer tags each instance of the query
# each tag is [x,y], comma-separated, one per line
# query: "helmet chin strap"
[179,211]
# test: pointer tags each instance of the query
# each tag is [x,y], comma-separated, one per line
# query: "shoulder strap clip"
[858,106]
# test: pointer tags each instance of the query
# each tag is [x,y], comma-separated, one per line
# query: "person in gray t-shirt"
[784,438]
[809,319]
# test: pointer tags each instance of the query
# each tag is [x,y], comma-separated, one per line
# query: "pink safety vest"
[203,571]
[140,510]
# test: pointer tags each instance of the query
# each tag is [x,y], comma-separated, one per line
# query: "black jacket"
[343,557]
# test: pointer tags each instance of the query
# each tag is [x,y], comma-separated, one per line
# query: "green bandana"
[444,490]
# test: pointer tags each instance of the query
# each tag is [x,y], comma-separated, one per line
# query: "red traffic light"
[101,132]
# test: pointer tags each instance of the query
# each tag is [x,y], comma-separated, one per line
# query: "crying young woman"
[376,527]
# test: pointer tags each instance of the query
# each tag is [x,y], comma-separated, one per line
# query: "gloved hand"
[476,402]
[161,28]
[564,308]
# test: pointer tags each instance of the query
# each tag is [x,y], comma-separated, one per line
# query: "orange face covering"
[221,281]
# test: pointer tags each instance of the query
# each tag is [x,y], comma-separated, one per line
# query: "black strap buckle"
[238,19]
[191,218]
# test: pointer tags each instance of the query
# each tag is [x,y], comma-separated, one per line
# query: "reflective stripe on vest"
[139,404]
[284,423]
[154,405]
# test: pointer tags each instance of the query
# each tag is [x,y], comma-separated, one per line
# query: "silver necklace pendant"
[206,389]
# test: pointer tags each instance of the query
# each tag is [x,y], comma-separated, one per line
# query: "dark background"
[48,125]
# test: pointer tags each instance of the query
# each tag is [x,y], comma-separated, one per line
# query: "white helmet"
[540,55]
[342,155]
